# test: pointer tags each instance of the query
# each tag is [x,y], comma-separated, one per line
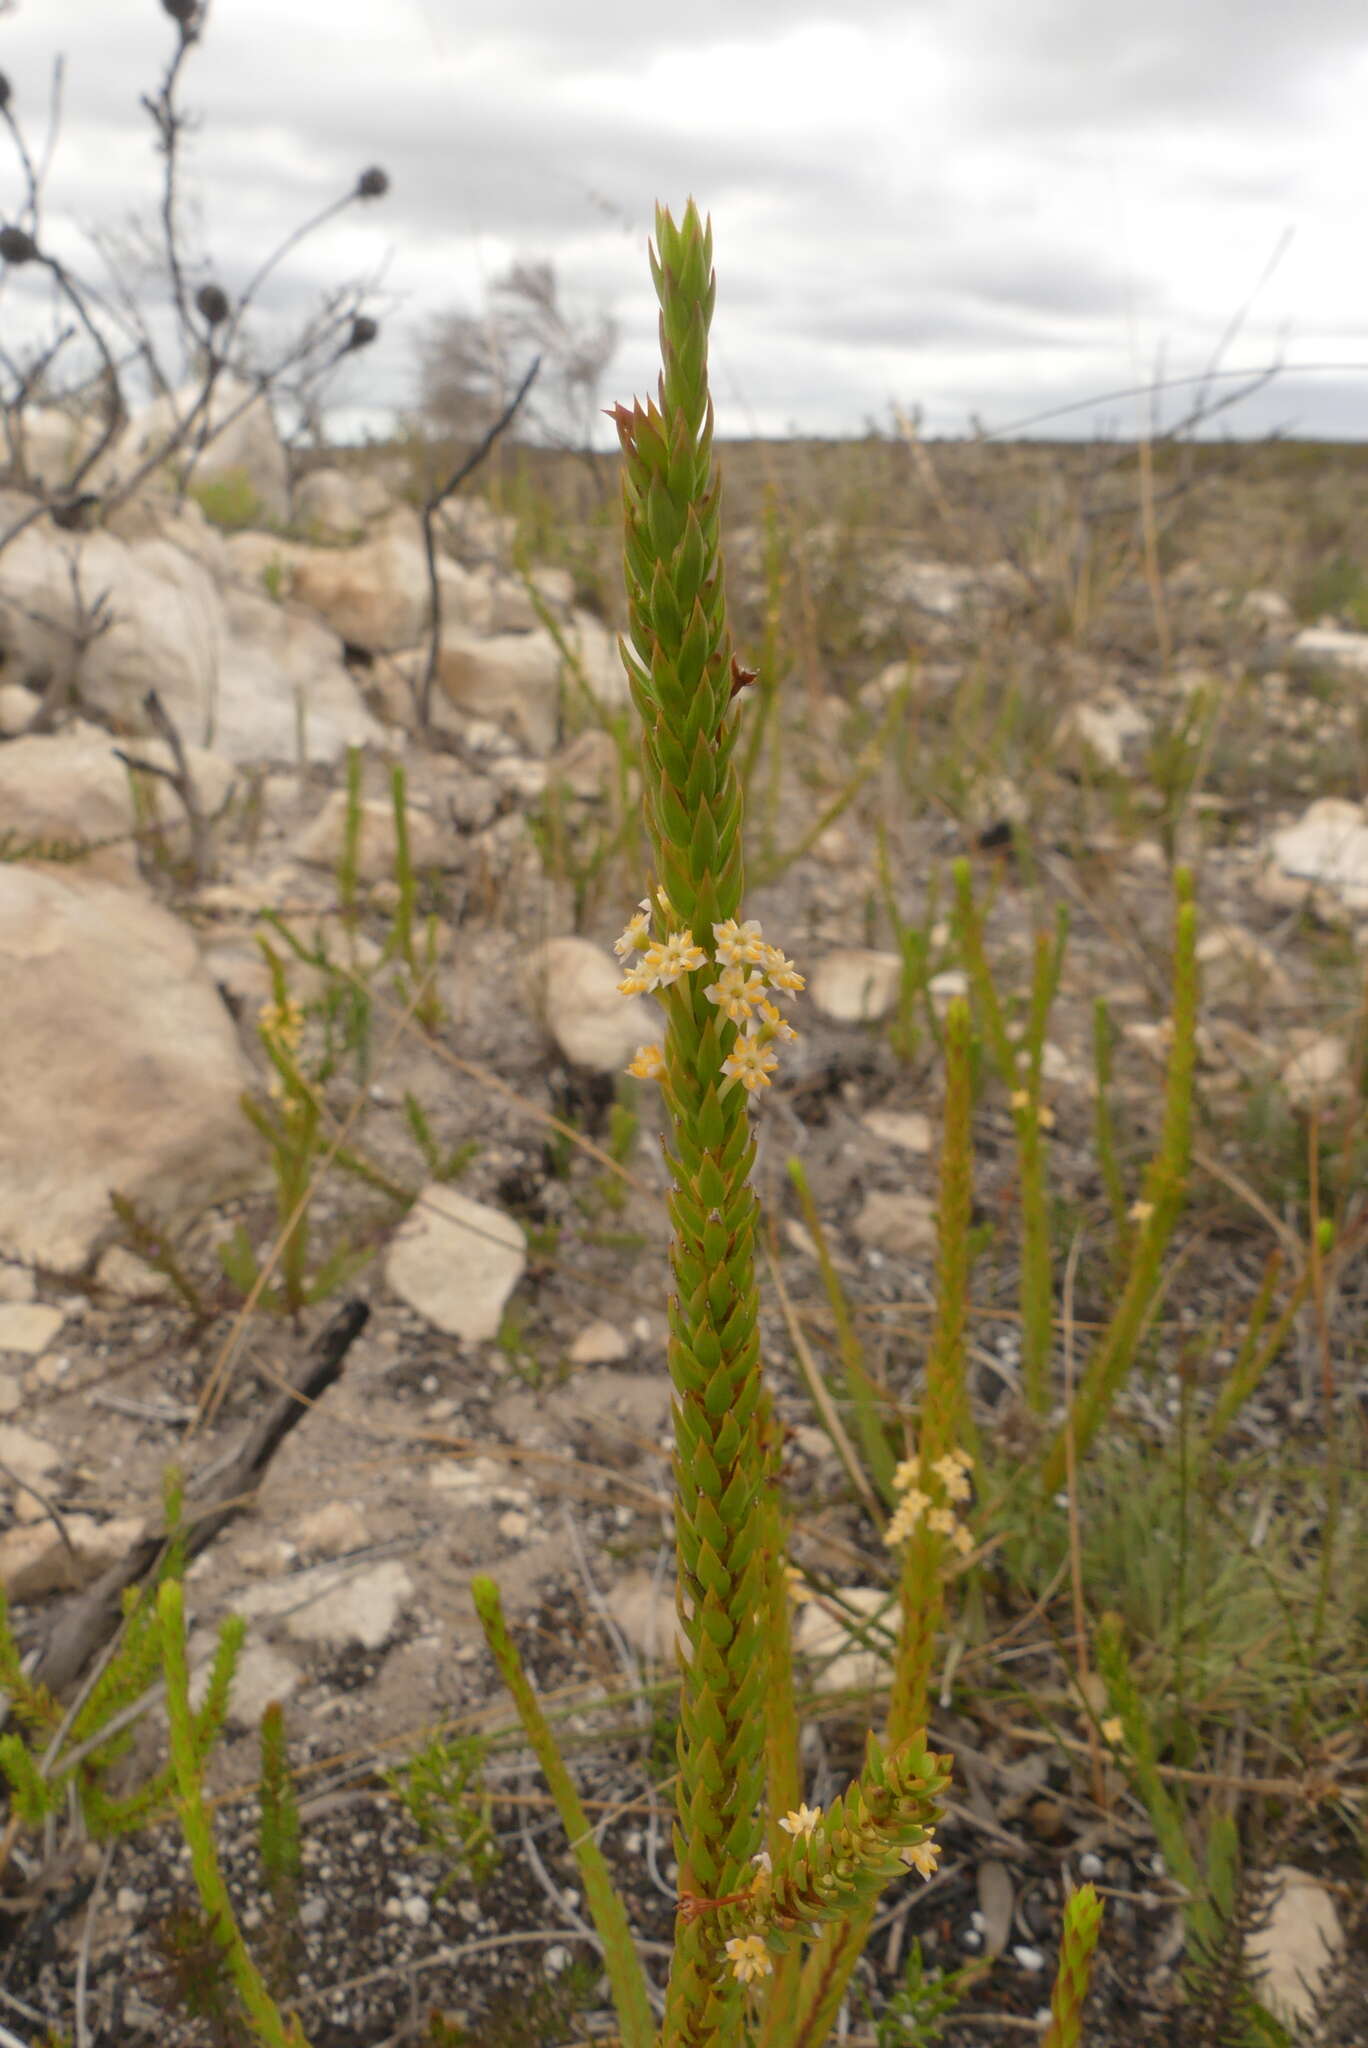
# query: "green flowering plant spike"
[776,1898]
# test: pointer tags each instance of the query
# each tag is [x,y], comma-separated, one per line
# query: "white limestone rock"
[119,1067]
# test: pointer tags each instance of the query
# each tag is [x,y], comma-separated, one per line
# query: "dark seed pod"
[183,11]
[4,90]
[211,304]
[363,332]
[372,184]
[17,245]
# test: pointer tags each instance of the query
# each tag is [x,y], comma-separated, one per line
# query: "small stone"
[28,1327]
[416,1910]
[319,1606]
[841,1661]
[599,1344]
[556,1960]
[902,1225]
[456,1262]
[1047,1819]
[573,991]
[856,986]
[644,1610]
[1328,845]
[1265,608]
[16,1283]
[1295,1951]
[1315,1069]
[123,1273]
[1090,1865]
[514,1524]
[997,1903]
[321,842]
[11,1393]
[27,1456]
[1111,730]
[946,987]
[34,1559]
[908,1129]
[1030,1959]
[332,1529]
[313,1912]
[126,1900]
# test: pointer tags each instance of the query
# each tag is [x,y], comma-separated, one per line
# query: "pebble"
[1029,1958]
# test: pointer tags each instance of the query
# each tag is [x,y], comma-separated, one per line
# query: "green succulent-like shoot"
[1082,1919]
[715,976]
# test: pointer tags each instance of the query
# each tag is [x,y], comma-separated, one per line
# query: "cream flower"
[638,981]
[282,1021]
[910,1510]
[1140,1212]
[649,1064]
[750,1063]
[638,933]
[782,973]
[953,1476]
[772,1023]
[962,1536]
[750,1959]
[739,945]
[677,956]
[907,1474]
[1113,1731]
[922,1857]
[1021,1098]
[801,1821]
[942,1520]
[736,992]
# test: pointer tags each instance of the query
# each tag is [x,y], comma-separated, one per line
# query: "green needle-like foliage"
[680,667]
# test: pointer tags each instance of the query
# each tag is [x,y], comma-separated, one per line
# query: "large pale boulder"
[323,839]
[377,595]
[237,673]
[595,649]
[112,620]
[50,445]
[283,686]
[71,787]
[119,1067]
[512,678]
[334,504]
[243,441]
[49,587]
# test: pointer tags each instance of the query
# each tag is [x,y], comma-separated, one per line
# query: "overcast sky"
[990,207]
